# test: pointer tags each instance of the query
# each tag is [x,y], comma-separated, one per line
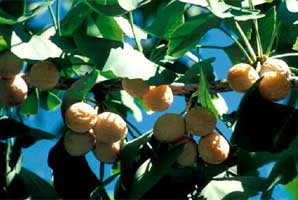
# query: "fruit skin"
[241,77]
[188,156]
[80,117]
[169,128]
[275,65]
[107,153]
[200,121]
[10,64]
[44,75]
[274,86]
[77,144]
[109,127]
[13,91]
[135,87]
[213,148]
[158,98]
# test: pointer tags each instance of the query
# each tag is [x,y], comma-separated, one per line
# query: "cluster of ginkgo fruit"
[14,88]
[274,85]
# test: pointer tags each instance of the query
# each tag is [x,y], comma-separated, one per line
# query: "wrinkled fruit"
[274,86]
[80,117]
[213,148]
[77,144]
[188,156]
[135,87]
[13,91]
[44,75]
[107,153]
[109,128]
[158,98]
[169,127]
[200,121]
[275,65]
[10,64]
[241,77]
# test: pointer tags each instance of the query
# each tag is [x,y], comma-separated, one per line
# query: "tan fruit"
[80,117]
[10,64]
[135,87]
[158,98]
[169,128]
[109,128]
[241,77]
[274,86]
[44,75]
[13,91]
[107,153]
[77,144]
[275,65]
[188,156]
[213,148]
[200,121]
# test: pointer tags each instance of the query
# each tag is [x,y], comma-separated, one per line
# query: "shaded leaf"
[267,27]
[292,188]
[67,44]
[110,9]
[96,193]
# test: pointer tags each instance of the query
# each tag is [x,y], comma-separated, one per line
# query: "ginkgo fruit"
[200,121]
[44,75]
[13,91]
[158,98]
[80,117]
[135,87]
[10,64]
[275,65]
[189,153]
[77,144]
[274,86]
[110,127]
[169,128]
[213,148]
[241,77]
[107,153]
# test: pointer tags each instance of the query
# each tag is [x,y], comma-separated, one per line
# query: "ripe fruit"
[13,91]
[275,65]
[274,86]
[169,127]
[158,98]
[213,148]
[107,153]
[77,144]
[241,77]
[44,75]
[188,155]
[80,117]
[200,121]
[135,87]
[109,128]
[10,64]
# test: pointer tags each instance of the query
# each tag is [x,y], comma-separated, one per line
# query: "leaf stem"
[246,41]
[58,5]
[285,55]
[52,15]
[137,41]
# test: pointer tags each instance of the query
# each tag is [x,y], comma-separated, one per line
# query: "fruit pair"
[107,130]
[275,84]
[155,98]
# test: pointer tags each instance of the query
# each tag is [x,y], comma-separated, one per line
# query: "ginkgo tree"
[101,61]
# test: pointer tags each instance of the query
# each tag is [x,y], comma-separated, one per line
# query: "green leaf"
[50,100]
[162,77]
[292,188]
[109,9]
[97,49]
[67,44]
[4,20]
[206,99]
[150,172]
[31,105]
[295,45]
[267,26]
[79,89]
[186,36]
[253,133]
[131,5]
[74,19]
[107,27]
[168,18]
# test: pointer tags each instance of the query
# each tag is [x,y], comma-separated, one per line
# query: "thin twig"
[139,46]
